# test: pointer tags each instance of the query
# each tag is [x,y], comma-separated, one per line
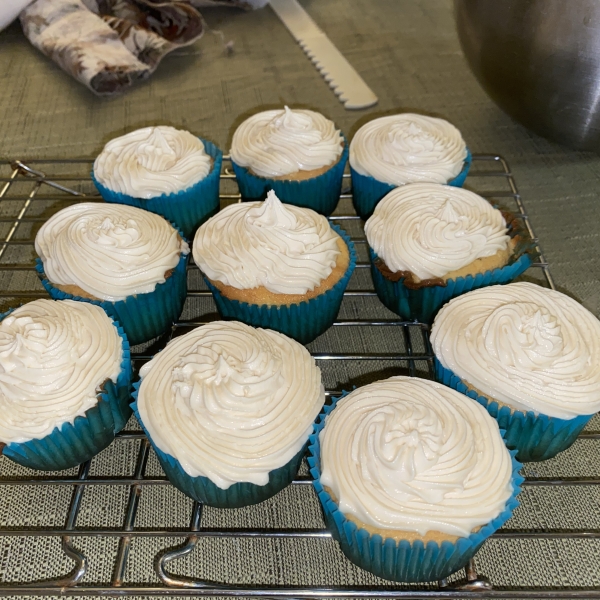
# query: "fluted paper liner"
[304,321]
[142,316]
[71,444]
[320,193]
[367,191]
[187,209]
[422,304]
[403,560]
[534,437]
[204,490]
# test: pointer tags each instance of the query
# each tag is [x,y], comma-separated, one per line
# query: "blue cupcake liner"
[533,437]
[367,191]
[321,193]
[187,209]
[402,561]
[304,321]
[142,316]
[73,443]
[422,304]
[204,490]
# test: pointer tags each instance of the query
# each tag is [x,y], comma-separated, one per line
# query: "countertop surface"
[408,52]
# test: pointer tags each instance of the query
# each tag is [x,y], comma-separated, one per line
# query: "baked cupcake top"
[411,455]
[110,251]
[280,142]
[526,346]
[231,402]
[283,248]
[54,358]
[406,148]
[430,230]
[152,161]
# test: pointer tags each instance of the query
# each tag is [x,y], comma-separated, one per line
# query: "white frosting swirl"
[54,358]
[526,346]
[406,148]
[231,402]
[284,248]
[109,250]
[406,454]
[280,142]
[431,229]
[152,161]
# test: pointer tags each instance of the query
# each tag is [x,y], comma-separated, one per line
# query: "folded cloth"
[240,3]
[110,44]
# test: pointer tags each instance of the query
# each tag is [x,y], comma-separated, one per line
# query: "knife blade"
[341,76]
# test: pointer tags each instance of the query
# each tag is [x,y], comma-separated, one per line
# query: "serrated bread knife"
[345,82]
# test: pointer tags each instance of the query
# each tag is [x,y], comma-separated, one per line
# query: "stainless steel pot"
[539,60]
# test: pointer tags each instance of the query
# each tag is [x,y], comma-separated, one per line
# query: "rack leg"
[474,582]
[166,556]
[76,575]
[132,506]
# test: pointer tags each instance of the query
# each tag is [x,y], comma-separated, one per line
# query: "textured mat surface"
[409,54]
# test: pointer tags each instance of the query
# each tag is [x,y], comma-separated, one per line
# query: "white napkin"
[9,11]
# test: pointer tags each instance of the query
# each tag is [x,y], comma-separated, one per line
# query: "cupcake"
[165,170]
[528,354]
[297,153]
[275,265]
[130,262]
[392,151]
[228,409]
[430,242]
[65,373]
[412,478]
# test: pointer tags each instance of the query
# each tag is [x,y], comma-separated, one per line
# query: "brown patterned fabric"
[110,44]
[245,4]
[176,22]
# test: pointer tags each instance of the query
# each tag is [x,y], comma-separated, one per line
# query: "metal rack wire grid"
[173,546]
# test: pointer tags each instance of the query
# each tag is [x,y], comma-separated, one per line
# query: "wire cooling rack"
[366,343]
